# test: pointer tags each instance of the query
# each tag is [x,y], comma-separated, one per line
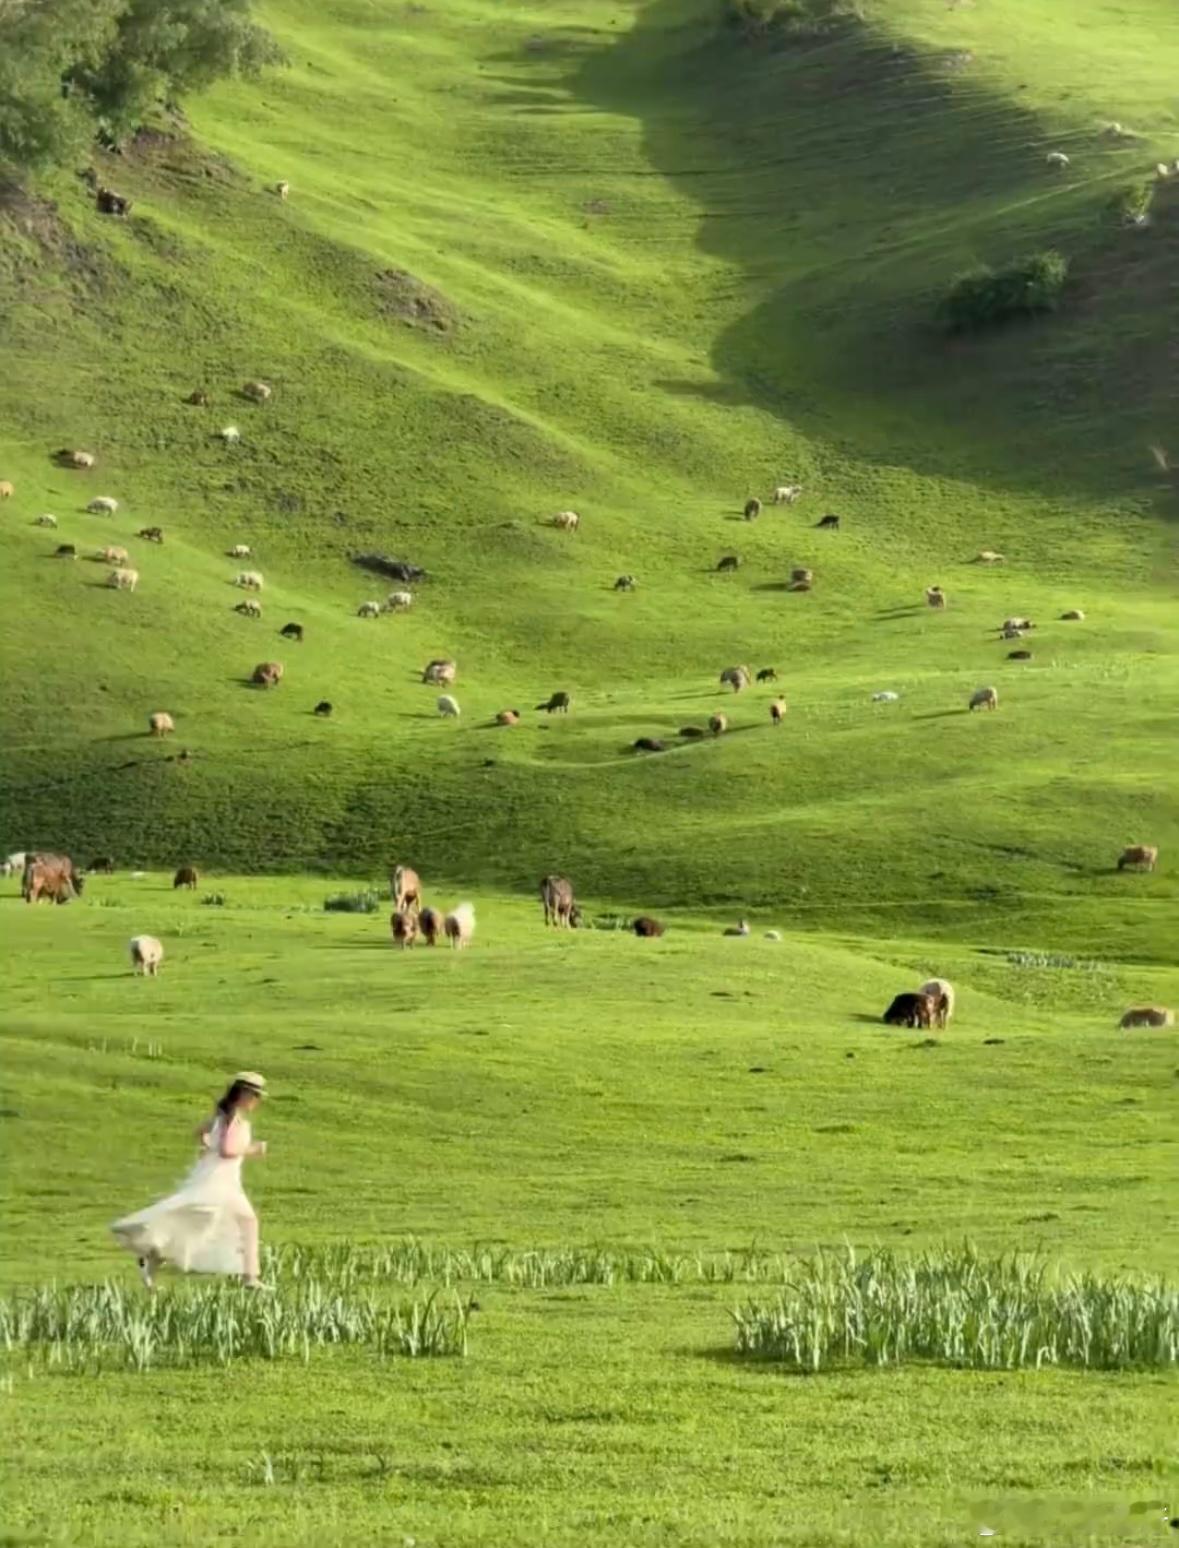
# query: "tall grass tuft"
[367,902]
[956,1308]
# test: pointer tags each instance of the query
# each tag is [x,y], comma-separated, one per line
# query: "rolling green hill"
[614,258]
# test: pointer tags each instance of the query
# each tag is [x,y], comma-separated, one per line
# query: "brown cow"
[646,926]
[556,893]
[405,888]
[50,876]
[405,928]
[186,876]
[1144,855]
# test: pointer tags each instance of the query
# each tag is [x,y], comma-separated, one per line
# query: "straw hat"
[252,1078]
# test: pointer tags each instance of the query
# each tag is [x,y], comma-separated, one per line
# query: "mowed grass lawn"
[567,1090]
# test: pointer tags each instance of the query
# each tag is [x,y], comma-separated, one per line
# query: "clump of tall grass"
[367,902]
[1052,959]
[89,1327]
[955,1308]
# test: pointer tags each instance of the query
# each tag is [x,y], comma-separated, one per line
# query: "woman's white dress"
[198,1228]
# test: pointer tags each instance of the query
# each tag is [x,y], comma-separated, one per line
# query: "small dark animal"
[729,562]
[767,675]
[324,707]
[649,744]
[557,702]
[111,203]
[752,509]
[693,731]
[624,583]
[910,1010]
[152,534]
[198,399]
[103,866]
[405,928]
[1019,655]
[645,925]
[65,551]
[186,876]
[829,521]
[431,925]
[292,631]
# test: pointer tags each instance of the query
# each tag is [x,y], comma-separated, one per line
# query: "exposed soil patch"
[407,299]
[48,241]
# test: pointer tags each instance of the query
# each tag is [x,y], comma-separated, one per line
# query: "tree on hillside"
[69,67]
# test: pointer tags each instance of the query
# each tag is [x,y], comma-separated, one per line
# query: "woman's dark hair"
[227,1105]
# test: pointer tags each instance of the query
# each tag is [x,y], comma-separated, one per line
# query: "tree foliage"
[984,297]
[68,67]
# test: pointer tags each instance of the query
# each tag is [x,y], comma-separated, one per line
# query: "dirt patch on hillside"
[43,240]
[408,300]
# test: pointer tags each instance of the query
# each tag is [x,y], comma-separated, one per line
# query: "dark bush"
[985,297]
[353,903]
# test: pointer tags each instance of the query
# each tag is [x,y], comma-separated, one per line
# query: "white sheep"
[397,601]
[248,580]
[787,494]
[1163,169]
[282,189]
[448,707]
[938,987]
[885,696]
[123,580]
[160,723]
[1057,159]
[146,955]
[567,521]
[231,435]
[13,863]
[114,555]
[241,551]
[984,698]
[103,505]
[249,608]
[46,521]
[258,391]
[369,610]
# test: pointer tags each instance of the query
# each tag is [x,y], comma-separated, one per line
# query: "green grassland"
[605,257]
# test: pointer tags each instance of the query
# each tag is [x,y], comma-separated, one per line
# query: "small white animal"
[47,520]
[369,610]
[396,601]
[448,707]
[773,935]
[146,955]
[231,435]
[15,862]
[1057,159]
[567,521]
[123,580]
[885,696]
[248,580]
[787,494]
[241,551]
[103,505]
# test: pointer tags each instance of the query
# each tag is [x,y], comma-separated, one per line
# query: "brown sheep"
[50,876]
[777,711]
[198,398]
[752,509]
[151,534]
[556,704]
[802,575]
[431,925]
[935,596]
[831,522]
[984,698]
[187,877]
[1139,856]
[910,1010]
[439,671]
[767,675]
[508,717]
[718,723]
[405,928]
[1148,1016]
[556,894]
[647,927]
[649,744]
[405,888]
[267,674]
[729,562]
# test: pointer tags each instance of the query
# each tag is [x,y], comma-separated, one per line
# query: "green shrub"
[799,19]
[353,902]
[214,900]
[985,298]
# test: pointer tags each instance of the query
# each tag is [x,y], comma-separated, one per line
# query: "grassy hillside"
[652,270]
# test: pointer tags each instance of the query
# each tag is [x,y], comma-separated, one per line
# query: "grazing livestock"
[729,562]
[735,677]
[508,717]
[405,928]
[48,875]
[649,744]
[459,925]
[123,580]
[647,927]
[984,698]
[398,601]
[556,894]
[1019,655]
[250,607]
[885,696]
[801,576]
[767,675]
[556,704]
[7,489]
[257,392]
[324,708]
[292,631]
[718,723]
[151,534]
[910,1010]
[147,955]
[1018,624]
[772,935]
[1139,856]
[694,732]
[941,991]
[787,494]
[777,711]
[267,674]
[988,556]
[103,505]
[198,398]
[740,928]
[1057,159]
[430,923]
[439,672]
[1074,615]
[13,863]
[241,551]
[829,521]
[567,521]
[108,202]
[65,551]
[231,435]
[935,596]
[282,189]
[46,521]
[187,877]
[248,580]
[369,610]
[1148,1016]
[624,583]
[405,888]
[112,555]
[160,723]
[447,707]
[104,865]
[77,459]
[752,509]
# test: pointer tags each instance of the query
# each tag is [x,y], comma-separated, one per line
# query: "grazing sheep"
[77,459]
[718,723]
[398,601]
[1148,1016]
[556,704]
[186,877]
[241,551]
[282,189]
[448,707]
[567,521]
[772,935]
[292,631]
[248,580]
[405,928]
[459,925]
[1018,624]
[198,398]
[405,888]
[65,551]
[103,865]
[735,677]
[508,717]
[369,610]
[910,1010]
[231,435]
[647,927]
[988,556]
[941,991]
[1074,615]
[829,521]
[160,723]
[556,896]
[439,672]
[1162,169]
[624,583]
[324,708]
[151,534]
[752,509]
[740,928]
[984,698]
[123,580]
[103,505]
[767,675]
[1011,632]
[1057,159]
[249,608]
[257,392]
[693,732]
[1139,856]
[729,562]
[13,863]
[112,556]
[7,489]
[267,674]
[147,955]
[46,521]
[801,576]
[649,744]
[1019,655]
[431,924]
[885,696]
[935,596]
[777,711]
[787,494]
[107,202]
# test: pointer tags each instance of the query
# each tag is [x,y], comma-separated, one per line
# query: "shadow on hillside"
[816,167]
